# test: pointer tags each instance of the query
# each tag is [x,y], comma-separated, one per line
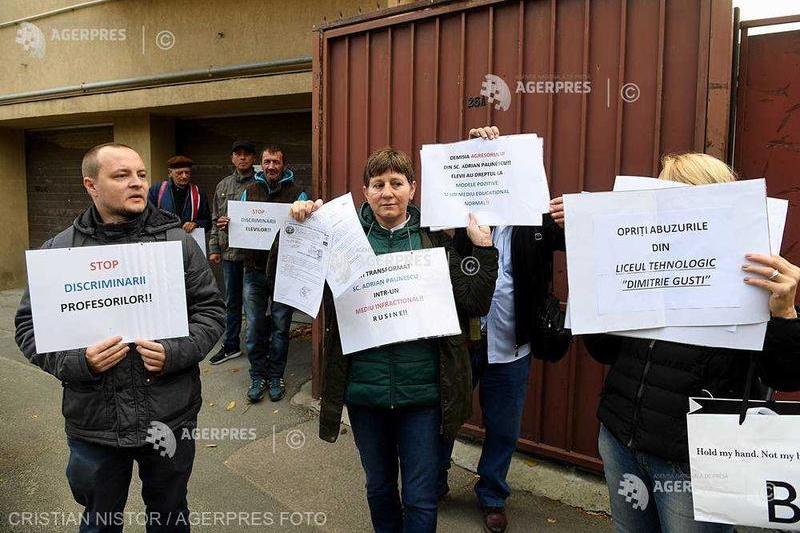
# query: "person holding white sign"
[267,343]
[130,402]
[400,396]
[501,346]
[645,398]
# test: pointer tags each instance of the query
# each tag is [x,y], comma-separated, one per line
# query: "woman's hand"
[486,132]
[479,235]
[781,281]
[302,209]
[557,211]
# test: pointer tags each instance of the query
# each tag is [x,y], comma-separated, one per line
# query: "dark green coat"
[473,297]
[399,375]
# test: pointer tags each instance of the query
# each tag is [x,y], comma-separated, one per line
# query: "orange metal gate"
[768,121]
[413,75]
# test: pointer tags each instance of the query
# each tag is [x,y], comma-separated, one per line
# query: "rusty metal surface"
[768,124]
[409,79]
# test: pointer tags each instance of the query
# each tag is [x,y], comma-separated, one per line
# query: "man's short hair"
[388,160]
[90,166]
[179,161]
[274,149]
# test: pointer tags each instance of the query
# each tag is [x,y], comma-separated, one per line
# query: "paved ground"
[287,475]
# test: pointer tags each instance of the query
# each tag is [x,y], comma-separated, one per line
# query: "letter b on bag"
[773,502]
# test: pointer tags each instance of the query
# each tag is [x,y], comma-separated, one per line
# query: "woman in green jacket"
[402,397]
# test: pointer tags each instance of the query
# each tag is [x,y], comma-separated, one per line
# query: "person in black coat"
[645,397]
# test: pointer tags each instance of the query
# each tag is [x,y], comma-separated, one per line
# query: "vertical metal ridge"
[389,88]
[435,91]
[367,104]
[347,110]
[662,24]
[701,94]
[571,357]
[461,80]
[548,149]
[411,93]
[520,65]
[623,32]
[490,60]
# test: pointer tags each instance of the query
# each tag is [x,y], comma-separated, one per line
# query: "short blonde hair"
[695,169]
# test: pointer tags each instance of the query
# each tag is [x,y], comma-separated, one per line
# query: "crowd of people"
[406,401]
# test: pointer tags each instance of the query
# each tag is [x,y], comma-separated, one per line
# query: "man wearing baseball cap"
[237,281]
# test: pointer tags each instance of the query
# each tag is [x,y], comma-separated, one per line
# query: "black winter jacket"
[532,250]
[116,407]
[645,397]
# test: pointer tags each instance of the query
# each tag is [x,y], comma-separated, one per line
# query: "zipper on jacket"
[640,391]
[391,378]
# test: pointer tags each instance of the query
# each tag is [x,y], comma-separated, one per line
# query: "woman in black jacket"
[644,400]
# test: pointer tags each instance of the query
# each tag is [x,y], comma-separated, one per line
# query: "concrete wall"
[14,212]
[121,39]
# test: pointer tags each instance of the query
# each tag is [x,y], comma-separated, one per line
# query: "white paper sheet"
[97,292]
[743,337]
[199,236]
[501,181]
[748,228]
[253,225]
[407,296]
[302,264]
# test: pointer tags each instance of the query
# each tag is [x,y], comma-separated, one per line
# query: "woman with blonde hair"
[646,392]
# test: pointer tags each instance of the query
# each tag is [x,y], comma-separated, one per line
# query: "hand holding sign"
[302,209]
[105,354]
[153,355]
[479,235]
[781,281]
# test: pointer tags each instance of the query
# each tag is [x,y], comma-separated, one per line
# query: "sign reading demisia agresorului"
[80,296]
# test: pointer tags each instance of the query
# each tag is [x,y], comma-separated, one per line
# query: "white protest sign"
[743,337]
[253,225]
[80,296]
[302,264]
[672,257]
[745,474]
[199,236]
[502,182]
[406,296]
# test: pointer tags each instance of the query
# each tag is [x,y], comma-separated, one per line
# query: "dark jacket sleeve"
[473,277]
[213,239]
[553,233]
[602,347]
[204,216]
[272,264]
[69,365]
[205,309]
[779,362]
[152,194]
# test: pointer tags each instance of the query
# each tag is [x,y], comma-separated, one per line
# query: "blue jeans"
[233,272]
[279,339]
[411,437]
[502,388]
[640,498]
[100,476]
[255,309]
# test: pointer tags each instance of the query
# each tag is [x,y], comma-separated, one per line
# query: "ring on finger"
[774,275]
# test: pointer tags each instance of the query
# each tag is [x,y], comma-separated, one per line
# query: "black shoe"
[277,389]
[221,356]
[256,391]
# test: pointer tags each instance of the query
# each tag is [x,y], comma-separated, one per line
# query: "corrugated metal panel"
[768,123]
[405,79]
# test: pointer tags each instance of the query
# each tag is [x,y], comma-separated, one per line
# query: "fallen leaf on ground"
[211,404]
[231,405]
[211,445]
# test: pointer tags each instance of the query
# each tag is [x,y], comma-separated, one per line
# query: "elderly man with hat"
[179,196]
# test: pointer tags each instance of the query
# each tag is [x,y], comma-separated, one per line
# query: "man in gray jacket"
[238,281]
[121,401]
